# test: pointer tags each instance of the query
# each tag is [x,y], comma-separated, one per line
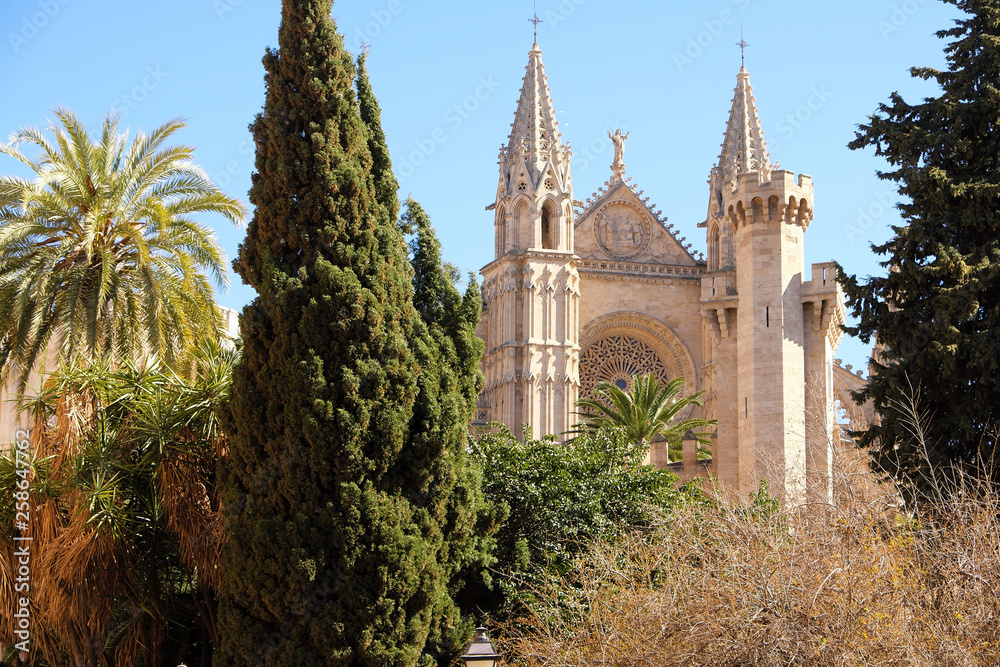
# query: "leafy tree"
[648,410]
[349,509]
[937,312]
[101,252]
[123,514]
[561,497]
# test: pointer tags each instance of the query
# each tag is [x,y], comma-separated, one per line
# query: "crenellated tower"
[531,290]
[769,328]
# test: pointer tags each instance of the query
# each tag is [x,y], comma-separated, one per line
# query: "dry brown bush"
[855,582]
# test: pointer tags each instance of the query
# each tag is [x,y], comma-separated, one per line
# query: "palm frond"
[648,410]
[100,248]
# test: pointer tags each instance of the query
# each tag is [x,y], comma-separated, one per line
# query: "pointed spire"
[535,137]
[744,148]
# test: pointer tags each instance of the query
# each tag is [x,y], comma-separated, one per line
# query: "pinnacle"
[535,130]
[744,149]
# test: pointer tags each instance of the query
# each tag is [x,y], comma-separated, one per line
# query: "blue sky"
[448,73]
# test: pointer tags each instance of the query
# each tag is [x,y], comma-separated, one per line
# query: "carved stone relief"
[621,232]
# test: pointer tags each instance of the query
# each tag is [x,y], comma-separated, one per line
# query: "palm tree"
[648,410]
[124,514]
[100,253]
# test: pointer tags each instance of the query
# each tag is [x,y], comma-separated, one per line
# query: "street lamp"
[481,652]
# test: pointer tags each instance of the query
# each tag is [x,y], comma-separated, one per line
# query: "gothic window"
[522,186]
[617,359]
[521,234]
[549,184]
[548,227]
[501,231]
[727,258]
[714,248]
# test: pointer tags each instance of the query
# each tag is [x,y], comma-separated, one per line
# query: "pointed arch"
[727,257]
[502,241]
[568,241]
[714,246]
[550,220]
[521,224]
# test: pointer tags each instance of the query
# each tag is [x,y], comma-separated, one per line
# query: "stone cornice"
[660,274]
[525,255]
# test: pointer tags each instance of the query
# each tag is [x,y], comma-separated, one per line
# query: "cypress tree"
[937,312]
[386,185]
[447,486]
[449,354]
[334,545]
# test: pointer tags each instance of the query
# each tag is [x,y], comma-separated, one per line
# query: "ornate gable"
[619,224]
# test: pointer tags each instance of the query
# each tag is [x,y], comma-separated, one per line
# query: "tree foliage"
[731,583]
[449,354]
[937,311]
[386,186]
[122,514]
[102,251]
[561,497]
[350,508]
[648,410]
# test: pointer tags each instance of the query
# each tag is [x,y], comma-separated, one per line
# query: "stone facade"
[603,289]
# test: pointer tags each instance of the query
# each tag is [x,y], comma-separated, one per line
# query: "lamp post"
[481,652]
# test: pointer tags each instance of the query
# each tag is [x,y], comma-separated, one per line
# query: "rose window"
[617,359]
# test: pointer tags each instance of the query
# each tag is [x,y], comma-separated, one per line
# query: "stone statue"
[618,139]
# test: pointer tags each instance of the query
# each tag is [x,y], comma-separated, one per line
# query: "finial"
[365,47]
[743,49]
[536,21]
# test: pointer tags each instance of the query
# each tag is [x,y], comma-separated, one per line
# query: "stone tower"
[531,290]
[770,332]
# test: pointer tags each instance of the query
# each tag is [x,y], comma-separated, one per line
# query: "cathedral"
[583,292]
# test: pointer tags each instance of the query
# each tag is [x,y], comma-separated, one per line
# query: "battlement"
[824,279]
[781,198]
[827,299]
[779,178]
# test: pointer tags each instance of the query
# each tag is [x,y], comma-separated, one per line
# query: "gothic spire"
[534,137]
[744,148]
